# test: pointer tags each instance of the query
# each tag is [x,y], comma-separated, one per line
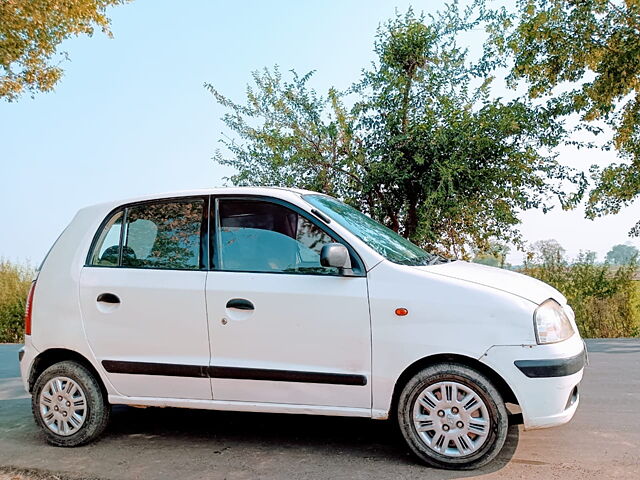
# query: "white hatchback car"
[282,300]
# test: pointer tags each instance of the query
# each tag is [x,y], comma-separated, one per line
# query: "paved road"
[603,440]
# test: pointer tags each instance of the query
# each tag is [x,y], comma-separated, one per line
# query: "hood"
[498,278]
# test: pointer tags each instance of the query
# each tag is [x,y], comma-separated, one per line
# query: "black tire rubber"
[97,405]
[477,382]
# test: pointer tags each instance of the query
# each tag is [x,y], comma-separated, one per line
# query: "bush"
[605,298]
[15,281]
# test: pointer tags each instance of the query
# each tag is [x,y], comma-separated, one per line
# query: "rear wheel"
[451,416]
[69,405]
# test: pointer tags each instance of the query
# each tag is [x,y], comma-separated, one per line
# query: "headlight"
[551,323]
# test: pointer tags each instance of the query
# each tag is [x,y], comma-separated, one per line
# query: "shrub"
[605,298]
[14,287]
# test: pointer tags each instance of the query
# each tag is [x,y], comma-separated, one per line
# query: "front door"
[143,303]
[284,329]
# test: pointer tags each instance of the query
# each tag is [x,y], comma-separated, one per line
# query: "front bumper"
[544,378]
[552,367]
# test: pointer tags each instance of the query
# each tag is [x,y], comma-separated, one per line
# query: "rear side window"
[165,235]
[162,235]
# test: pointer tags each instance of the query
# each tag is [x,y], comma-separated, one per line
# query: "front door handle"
[108,298]
[240,304]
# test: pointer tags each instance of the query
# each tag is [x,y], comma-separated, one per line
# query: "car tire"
[69,405]
[452,417]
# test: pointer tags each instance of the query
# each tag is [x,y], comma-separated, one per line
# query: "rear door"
[143,302]
[284,329]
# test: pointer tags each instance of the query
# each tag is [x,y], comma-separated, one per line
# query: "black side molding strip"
[164,369]
[560,367]
[238,373]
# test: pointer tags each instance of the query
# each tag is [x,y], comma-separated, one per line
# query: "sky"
[131,115]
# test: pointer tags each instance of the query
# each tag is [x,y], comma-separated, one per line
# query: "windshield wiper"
[439,259]
[420,261]
[432,259]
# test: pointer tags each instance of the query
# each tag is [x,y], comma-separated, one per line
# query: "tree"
[622,254]
[422,147]
[586,56]
[494,256]
[30,33]
[548,253]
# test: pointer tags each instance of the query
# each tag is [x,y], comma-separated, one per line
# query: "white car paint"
[511,282]
[162,318]
[305,323]
[342,325]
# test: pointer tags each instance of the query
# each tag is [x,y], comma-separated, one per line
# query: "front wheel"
[451,416]
[69,405]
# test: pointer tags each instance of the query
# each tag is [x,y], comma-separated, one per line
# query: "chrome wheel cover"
[451,419]
[63,406]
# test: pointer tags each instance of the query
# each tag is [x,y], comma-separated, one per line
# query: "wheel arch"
[501,385]
[56,355]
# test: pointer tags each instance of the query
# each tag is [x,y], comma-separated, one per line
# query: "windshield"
[382,239]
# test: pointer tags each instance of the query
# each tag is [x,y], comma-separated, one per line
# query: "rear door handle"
[108,298]
[240,304]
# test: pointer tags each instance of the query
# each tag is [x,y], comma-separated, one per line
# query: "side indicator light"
[401,312]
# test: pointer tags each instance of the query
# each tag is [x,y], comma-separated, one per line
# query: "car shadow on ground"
[321,436]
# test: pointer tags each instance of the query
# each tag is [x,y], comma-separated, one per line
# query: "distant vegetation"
[605,296]
[622,254]
[14,287]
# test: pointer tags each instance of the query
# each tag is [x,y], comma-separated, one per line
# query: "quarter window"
[107,249]
[257,236]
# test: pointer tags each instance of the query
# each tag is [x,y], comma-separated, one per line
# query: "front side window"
[162,235]
[258,236]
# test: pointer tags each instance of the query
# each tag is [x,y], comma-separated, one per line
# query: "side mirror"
[336,255]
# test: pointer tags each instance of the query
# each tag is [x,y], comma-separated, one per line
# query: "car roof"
[274,191]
